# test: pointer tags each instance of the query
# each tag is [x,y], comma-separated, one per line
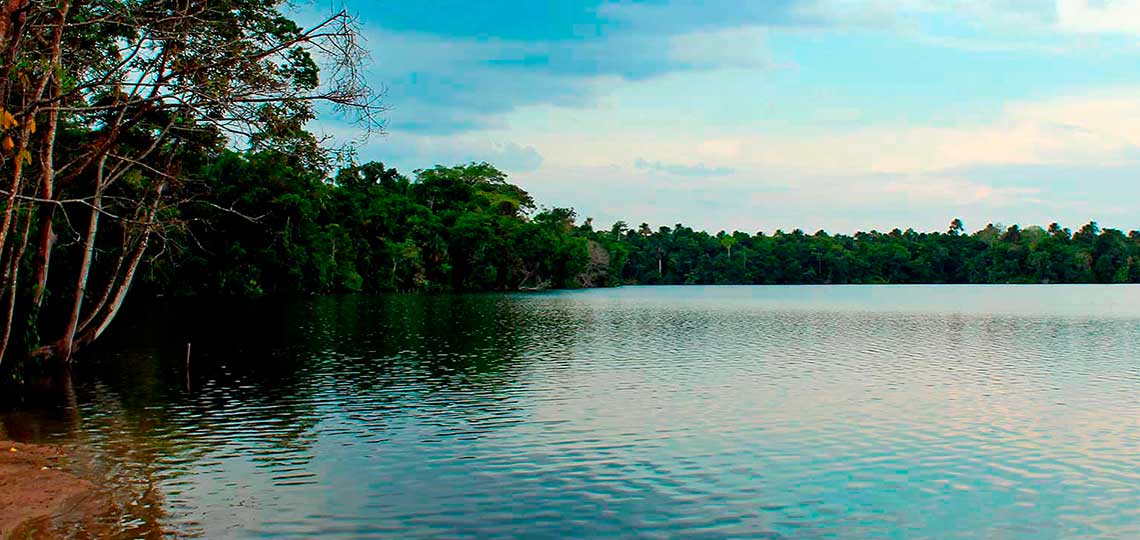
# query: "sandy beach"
[36,491]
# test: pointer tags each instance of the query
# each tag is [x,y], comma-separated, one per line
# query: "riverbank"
[36,490]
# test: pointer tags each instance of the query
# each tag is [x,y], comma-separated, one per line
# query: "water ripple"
[656,413]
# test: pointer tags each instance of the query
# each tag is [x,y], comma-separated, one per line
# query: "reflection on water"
[806,412]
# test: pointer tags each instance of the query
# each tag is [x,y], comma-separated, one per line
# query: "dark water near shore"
[667,412]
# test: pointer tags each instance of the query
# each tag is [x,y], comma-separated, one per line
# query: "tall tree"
[109,104]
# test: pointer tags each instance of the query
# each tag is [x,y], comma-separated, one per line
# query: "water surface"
[656,412]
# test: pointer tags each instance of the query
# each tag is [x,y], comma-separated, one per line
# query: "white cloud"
[1031,161]
[957,190]
[1109,118]
[408,152]
[868,13]
[1016,17]
[682,169]
[1099,16]
[1102,128]
[742,47]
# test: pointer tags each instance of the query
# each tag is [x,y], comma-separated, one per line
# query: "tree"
[995,254]
[109,105]
[1087,234]
[727,241]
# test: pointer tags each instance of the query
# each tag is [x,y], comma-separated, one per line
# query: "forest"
[991,255]
[161,147]
[466,228]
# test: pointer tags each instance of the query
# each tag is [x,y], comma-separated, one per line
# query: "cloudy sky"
[723,114]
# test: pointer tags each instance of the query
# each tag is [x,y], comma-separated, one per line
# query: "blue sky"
[835,114]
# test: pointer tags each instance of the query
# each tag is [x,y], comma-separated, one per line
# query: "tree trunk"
[11,23]
[8,258]
[8,10]
[94,311]
[526,278]
[91,333]
[11,282]
[14,188]
[64,346]
[47,167]
[11,8]
[43,254]
[47,179]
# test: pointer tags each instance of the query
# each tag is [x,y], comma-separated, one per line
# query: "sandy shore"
[35,492]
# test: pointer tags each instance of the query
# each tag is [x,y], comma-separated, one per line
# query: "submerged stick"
[187,366]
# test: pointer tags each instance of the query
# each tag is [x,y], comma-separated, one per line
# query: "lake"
[655,412]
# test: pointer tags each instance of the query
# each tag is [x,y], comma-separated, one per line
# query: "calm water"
[688,412]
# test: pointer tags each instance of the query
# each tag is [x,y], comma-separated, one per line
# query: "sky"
[841,115]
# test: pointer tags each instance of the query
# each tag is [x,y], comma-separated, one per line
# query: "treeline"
[994,254]
[267,224]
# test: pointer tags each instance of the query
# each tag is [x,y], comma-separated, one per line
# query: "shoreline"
[38,492]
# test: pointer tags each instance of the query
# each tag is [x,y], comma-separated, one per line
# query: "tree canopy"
[370,228]
[278,227]
[993,254]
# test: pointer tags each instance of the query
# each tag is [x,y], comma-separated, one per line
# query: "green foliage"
[680,255]
[266,223]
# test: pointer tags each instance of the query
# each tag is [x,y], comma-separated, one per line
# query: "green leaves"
[369,228]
